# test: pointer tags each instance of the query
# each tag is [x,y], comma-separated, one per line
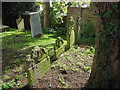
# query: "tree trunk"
[46,14]
[105,73]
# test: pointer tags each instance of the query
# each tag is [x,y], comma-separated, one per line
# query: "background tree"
[46,14]
[105,73]
[13,10]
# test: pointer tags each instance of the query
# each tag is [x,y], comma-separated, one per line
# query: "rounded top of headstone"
[30,13]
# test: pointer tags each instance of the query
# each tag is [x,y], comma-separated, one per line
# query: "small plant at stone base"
[74,69]
[73,64]
[90,52]
[5,69]
[79,63]
[53,66]
[69,59]
[61,81]
[5,77]
[86,68]
[16,70]
[8,85]
[18,77]
[16,61]
[65,67]
[82,54]
[19,84]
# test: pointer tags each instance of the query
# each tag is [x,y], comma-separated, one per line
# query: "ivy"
[109,34]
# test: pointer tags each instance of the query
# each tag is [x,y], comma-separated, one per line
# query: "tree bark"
[46,15]
[105,73]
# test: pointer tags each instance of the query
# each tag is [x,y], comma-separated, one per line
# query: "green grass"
[19,77]
[24,40]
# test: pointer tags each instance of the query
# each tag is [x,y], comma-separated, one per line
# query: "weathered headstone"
[38,54]
[35,24]
[79,24]
[38,71]
[20,24]
[38,65]
[71,33]
[59,47]
[84,21]
[72,25]
[89,20]
[34,20]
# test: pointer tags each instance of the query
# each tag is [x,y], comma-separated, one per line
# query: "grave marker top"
[34,21]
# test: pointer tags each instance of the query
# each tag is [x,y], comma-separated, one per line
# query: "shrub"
[61,31]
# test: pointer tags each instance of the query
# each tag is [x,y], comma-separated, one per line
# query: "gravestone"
[73,15]
[38,54]
[38,65]
[89,20]
[20,24]
[79,24]
[34,20]
[4,28]
[59,47]
[37,71]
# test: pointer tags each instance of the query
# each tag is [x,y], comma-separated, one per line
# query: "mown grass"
[14,40]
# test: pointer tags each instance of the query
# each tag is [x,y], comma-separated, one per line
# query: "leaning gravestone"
[20,24]
[35,24]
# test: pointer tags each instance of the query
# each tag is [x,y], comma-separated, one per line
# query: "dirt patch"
[71,70]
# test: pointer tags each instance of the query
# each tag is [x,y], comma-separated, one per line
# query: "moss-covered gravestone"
[39,64]
[59,47]
[38,54]
[73,22]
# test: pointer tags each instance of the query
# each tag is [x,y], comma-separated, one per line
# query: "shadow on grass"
[16,45]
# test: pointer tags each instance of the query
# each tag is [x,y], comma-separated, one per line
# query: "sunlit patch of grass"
[14,39]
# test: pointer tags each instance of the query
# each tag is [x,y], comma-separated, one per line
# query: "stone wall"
[80,21]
